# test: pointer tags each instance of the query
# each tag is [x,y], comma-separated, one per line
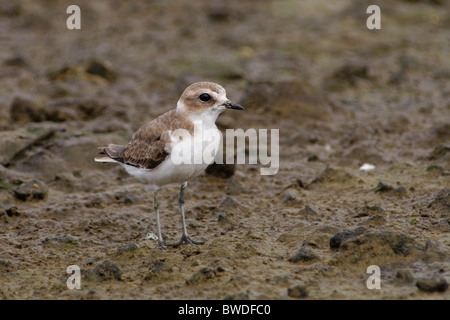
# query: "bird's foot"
[162,245]
[187,240]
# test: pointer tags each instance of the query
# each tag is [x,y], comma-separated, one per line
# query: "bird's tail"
[112,152]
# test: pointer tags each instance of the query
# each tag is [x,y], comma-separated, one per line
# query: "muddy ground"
[340,94]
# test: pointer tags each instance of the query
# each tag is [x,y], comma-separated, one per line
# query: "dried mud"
[340,94]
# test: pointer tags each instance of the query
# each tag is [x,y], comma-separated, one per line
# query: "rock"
[6,266]
[384,247]
[10,211]
[223,171]
[374,221]
[229,206]
[104,271]
[440,202]
[125,197]
[204,274]
[128,248]
[364,152]
[403,276]
[12,143]
[432,285]
[304,254]
[441,133]
[24,111]
[67,239]
[369,211]
[237,296]
[309,210]
[298,99]
[400,191]
[31,190]
[347,75]
[340,237]
[332,175]
[383,187]
[157,268]
[298,291]
[101,69]
[233,187]
[66,109]
[16,60]
[439,152]
[290,195]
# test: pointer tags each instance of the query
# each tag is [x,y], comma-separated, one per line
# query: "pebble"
[340,237]
[304,254]
[31,190]
[106,270]
[67,239]
[129,247]
[23,111]
[432,285]
[383,187]
[309,210]
[204,274]
[404,276]
[101,69]
[233,187]
[333,175]
[298,291]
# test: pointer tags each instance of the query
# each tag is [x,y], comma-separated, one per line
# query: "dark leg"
[184,238]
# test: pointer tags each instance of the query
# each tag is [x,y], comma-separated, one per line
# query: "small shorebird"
[148,155]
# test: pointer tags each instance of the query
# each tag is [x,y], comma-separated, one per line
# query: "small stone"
[229,205]
[432,285]
[383,187]
[365,211]
[129,247]
[340,237]
[31,190]
[401,190]
[64,239]
[440,151]
[309,210]
[292,194]
[404,277]
[101,69]
[233,187]
[303,255]
[333,175]
[24,111]
[6,266]
[12,211]
[204,274]
[106,270]
[298,291]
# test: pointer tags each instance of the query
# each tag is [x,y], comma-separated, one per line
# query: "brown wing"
[147,148]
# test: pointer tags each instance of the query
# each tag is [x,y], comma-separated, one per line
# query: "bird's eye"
[205,97]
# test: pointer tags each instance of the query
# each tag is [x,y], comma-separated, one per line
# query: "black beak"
[231,105]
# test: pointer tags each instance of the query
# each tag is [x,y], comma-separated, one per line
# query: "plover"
[148,155]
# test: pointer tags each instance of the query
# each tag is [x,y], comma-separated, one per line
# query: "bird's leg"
[184,238]
[161,243]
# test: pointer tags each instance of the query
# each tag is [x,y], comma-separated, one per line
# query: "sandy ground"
[341,96]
